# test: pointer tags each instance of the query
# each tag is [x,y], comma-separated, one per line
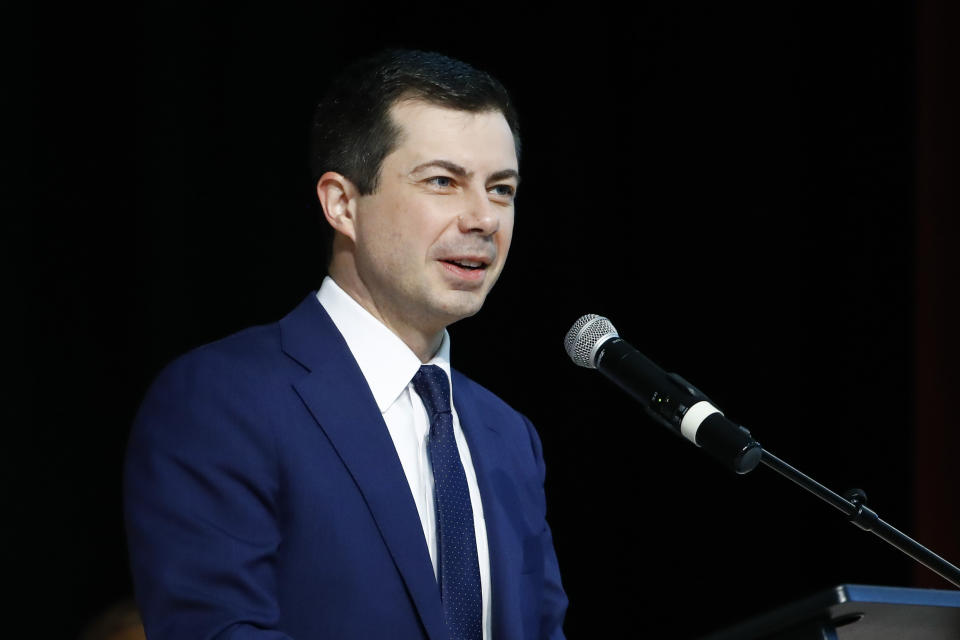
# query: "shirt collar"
[387,363]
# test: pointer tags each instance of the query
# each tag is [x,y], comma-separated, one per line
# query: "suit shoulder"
[480,394]
[250,352]
[232,389]
[512,423]
[254,344]
[263,348]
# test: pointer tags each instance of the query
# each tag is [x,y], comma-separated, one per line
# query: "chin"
[461,304]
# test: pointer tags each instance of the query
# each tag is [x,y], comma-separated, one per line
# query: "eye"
[503,190]
[442,182]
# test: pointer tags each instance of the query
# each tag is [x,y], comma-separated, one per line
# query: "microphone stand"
[853,505]
[588,343]
[745,458]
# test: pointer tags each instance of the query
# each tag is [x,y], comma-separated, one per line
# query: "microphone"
[594,343]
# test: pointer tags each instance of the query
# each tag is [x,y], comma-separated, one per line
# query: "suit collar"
[480,424]
[335,392]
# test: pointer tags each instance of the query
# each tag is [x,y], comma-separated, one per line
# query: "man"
[310,479]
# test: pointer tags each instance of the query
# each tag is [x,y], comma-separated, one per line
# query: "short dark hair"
[352,129]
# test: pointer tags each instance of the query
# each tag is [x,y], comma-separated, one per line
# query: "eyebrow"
[457,170]
[505,174]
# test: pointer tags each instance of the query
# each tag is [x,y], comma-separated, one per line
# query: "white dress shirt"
[388,365]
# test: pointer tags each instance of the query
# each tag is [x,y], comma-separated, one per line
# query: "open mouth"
[472,265]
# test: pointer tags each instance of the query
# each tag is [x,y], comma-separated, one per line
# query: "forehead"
[476,140]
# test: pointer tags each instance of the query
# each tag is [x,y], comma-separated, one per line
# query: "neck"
[423,342]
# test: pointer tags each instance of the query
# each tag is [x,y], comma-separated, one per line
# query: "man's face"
[432,239]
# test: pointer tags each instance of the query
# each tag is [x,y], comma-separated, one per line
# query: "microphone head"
[586,336]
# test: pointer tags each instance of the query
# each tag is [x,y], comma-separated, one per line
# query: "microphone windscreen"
[585,337]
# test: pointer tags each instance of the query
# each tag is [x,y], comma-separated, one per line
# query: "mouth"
[466,269]
[466,263]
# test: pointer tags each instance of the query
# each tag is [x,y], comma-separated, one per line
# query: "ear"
[338,197]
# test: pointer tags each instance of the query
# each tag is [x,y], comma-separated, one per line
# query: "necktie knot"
[431,384]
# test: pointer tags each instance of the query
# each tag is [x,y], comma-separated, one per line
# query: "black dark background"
[733,186]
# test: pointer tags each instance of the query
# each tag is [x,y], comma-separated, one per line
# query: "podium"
[857,612]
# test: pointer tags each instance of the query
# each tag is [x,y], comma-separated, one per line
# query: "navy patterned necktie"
[458,568]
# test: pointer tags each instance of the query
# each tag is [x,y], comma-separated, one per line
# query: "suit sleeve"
[201,508]
[554,606]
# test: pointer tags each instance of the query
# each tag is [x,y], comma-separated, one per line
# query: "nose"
[480,216]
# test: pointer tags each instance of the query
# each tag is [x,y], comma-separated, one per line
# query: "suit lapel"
[486,449]
[337,395]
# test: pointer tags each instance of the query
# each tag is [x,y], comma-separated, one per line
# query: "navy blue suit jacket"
[264,499]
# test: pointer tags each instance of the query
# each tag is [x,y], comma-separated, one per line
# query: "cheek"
[398,243]
[505,235]
[403,231]
[381,230]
